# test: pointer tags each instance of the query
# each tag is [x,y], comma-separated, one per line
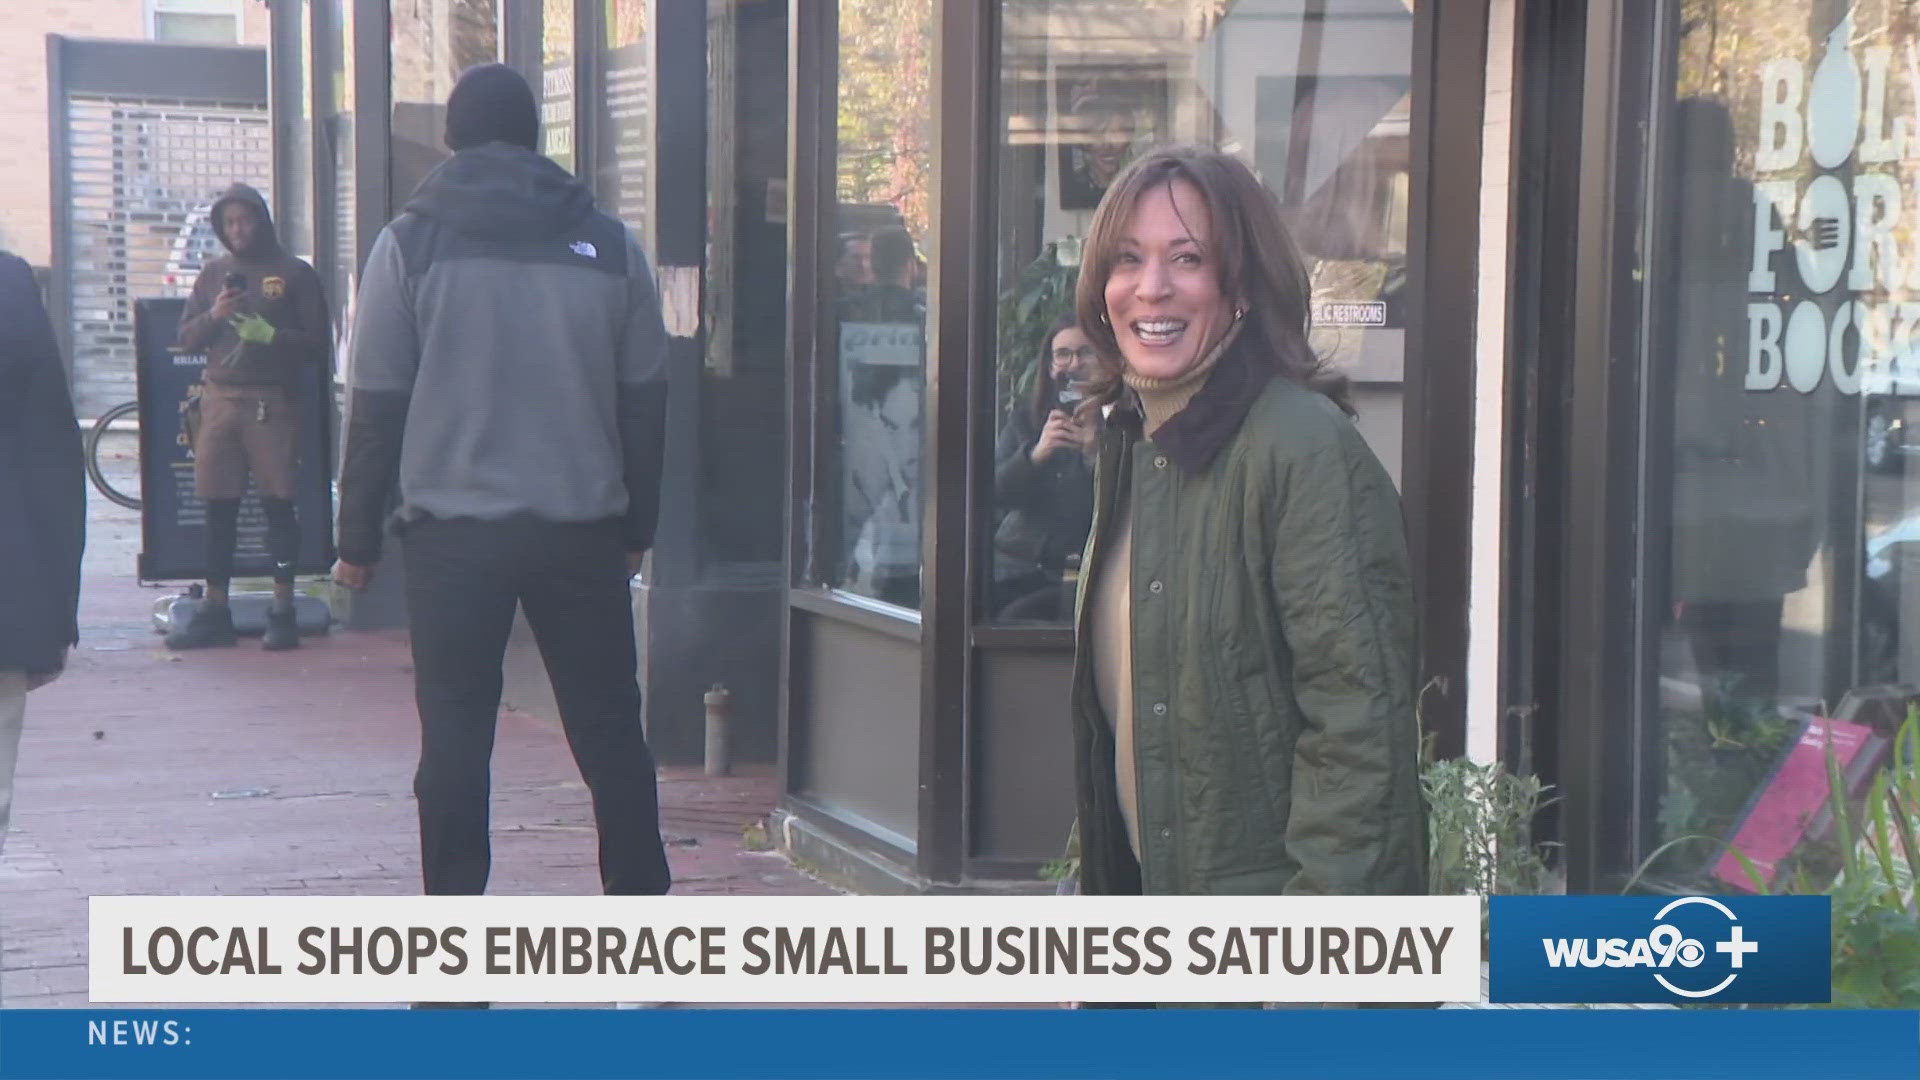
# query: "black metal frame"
[1449,111]
[589,30]
[320,90]
[60,249]
[1652,447]
[287,57]
[372,98]
[810,100]
[1580,557]
[520,39]
[813,80]
[1535,488]
[962,315]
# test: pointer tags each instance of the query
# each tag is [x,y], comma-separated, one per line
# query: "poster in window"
[883,390]
[1108,115]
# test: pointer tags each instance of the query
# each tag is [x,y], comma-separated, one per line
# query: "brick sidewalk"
[241,772]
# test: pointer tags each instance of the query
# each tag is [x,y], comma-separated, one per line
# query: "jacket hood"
[499,191]
[269,241]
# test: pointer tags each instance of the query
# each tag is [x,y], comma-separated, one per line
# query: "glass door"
[1778,510]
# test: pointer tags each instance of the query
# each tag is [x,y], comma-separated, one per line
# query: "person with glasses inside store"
[1043,483]
[1245,660]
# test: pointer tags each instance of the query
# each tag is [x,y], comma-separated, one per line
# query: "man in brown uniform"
[260,316]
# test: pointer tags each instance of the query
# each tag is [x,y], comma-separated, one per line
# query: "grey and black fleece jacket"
[508,359]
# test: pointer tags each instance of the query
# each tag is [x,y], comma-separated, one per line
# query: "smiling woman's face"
[1163,294]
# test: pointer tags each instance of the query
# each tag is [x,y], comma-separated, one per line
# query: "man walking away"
[508,365]
[261,317]
[43,511]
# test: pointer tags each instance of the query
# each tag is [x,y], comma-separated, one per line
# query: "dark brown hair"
[1259,267]
[1046,392]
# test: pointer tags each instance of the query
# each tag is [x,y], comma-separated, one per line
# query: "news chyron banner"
[824,949]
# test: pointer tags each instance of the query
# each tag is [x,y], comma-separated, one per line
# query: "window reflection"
[1779,373]
[431,43]
[1313,92]
[877,315]
[1043,484]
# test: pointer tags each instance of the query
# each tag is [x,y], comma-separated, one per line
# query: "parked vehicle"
[1886,436]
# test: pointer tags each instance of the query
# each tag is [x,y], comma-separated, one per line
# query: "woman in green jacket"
[1245,669]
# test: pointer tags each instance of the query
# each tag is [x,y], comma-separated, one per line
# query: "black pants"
[223,530]
[463,579]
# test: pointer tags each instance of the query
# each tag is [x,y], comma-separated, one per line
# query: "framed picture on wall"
[1107,115]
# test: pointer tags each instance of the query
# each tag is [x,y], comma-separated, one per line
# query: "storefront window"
[1313,93]
[432,42]
[1781,511]
[556,85]
[623,118]
[877,320]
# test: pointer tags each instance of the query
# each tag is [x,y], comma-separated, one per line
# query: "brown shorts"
[245,429]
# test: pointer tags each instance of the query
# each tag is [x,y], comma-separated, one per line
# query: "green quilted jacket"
[1274,652]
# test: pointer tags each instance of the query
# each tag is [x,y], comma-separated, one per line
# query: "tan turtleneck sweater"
[1112,620]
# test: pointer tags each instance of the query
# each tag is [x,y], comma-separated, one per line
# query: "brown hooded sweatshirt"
[280,288]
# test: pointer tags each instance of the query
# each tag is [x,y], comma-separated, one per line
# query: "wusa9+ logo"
[1627,949]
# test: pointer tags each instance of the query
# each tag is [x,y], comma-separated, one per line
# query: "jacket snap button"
[1154,586]
[1159,708]
[1160,462]
[1165,833]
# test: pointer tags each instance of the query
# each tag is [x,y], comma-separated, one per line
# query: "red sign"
[1796,798]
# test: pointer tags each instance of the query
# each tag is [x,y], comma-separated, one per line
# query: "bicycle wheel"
[99,475]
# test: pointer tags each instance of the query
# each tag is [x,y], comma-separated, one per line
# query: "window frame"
[235,9]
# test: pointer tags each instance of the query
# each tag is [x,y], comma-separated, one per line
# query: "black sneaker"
[282,631]
[210,627]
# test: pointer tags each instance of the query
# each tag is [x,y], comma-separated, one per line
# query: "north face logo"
[582,248]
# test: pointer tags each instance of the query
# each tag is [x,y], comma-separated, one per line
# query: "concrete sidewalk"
[242,772]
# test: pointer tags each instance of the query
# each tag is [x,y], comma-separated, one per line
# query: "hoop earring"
[1104,321]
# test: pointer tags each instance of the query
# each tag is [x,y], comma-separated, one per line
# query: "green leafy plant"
[1480,827]
[1039,295]
[1067,866]
[1715,759]
[1480,819]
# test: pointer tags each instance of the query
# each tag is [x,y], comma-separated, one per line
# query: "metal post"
[719,716]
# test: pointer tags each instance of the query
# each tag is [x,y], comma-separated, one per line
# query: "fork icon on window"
[1823,234]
